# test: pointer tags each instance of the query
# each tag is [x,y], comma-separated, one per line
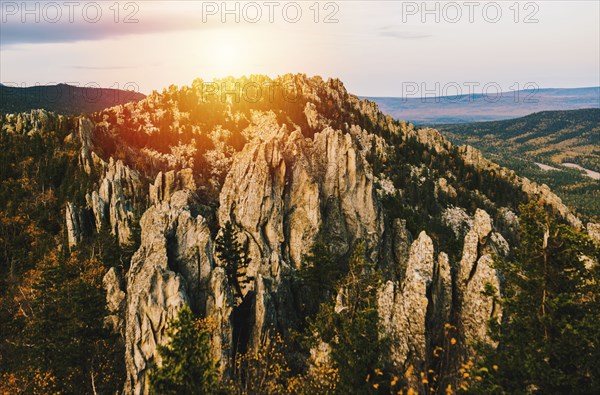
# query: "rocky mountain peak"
[286,174]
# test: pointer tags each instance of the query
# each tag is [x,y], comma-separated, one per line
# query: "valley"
[420,107]
[550,147]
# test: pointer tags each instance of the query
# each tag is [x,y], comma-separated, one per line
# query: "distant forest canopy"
[65,99]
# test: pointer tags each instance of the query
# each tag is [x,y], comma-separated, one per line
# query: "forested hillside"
[549,138]
[298,243]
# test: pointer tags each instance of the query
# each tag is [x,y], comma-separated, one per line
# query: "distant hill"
[537,146]
[478,108]
[62,98]
[550,137]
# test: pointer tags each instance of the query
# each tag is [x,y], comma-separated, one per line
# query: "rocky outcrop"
[414,309]
[408,309]
[480,303]
[85,134]
[115,300]
[302,201]
[253,199]
[113,202]
[443,187]
[403,308]
[220,302]
[281,192]
[482,225]
[433,139]
[347,184]
[441,294]
[167,183]
[478,286]
[543,192]
[458,220]
[401,243]
[34,121]
[474,157]
[315,120]
[291,184]
[74,224]
[286,188]
[172,263]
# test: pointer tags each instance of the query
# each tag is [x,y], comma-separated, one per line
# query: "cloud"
[101,67]
[147,20]
[391,31]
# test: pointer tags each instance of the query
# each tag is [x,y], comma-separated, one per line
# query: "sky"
[377,48]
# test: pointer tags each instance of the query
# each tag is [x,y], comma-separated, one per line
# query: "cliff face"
[280,193]
[111,203]
[171,268]
[326,167]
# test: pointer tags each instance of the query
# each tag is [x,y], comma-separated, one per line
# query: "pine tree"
[549,341]
[318,277]
[66,328]
[353,331]
[187,365]
[236,259]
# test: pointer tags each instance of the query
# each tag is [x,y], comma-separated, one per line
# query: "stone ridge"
[279,193]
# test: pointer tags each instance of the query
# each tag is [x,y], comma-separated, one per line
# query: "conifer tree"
[187,365]
[548,342]
[352,331]
[236,259]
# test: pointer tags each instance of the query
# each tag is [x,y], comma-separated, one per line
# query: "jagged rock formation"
[280,193]
[112,204]
[115,300]
[414,310]
[594,232]
[322,167]
[441,294]
[476,277]
[172,266]
[403,306]
[278,190]
[166,184]
[475,157]
[458,220]
[75,223]
[35,121]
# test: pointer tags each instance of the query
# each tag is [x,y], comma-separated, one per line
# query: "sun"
[223,53]
[226,55]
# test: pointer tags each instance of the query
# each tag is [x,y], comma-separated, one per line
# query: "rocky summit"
[291,164]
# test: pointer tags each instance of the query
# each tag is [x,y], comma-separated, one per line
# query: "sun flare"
[226,55]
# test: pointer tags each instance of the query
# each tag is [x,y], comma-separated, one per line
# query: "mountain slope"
[548,138]
[62,98]
[308,168]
